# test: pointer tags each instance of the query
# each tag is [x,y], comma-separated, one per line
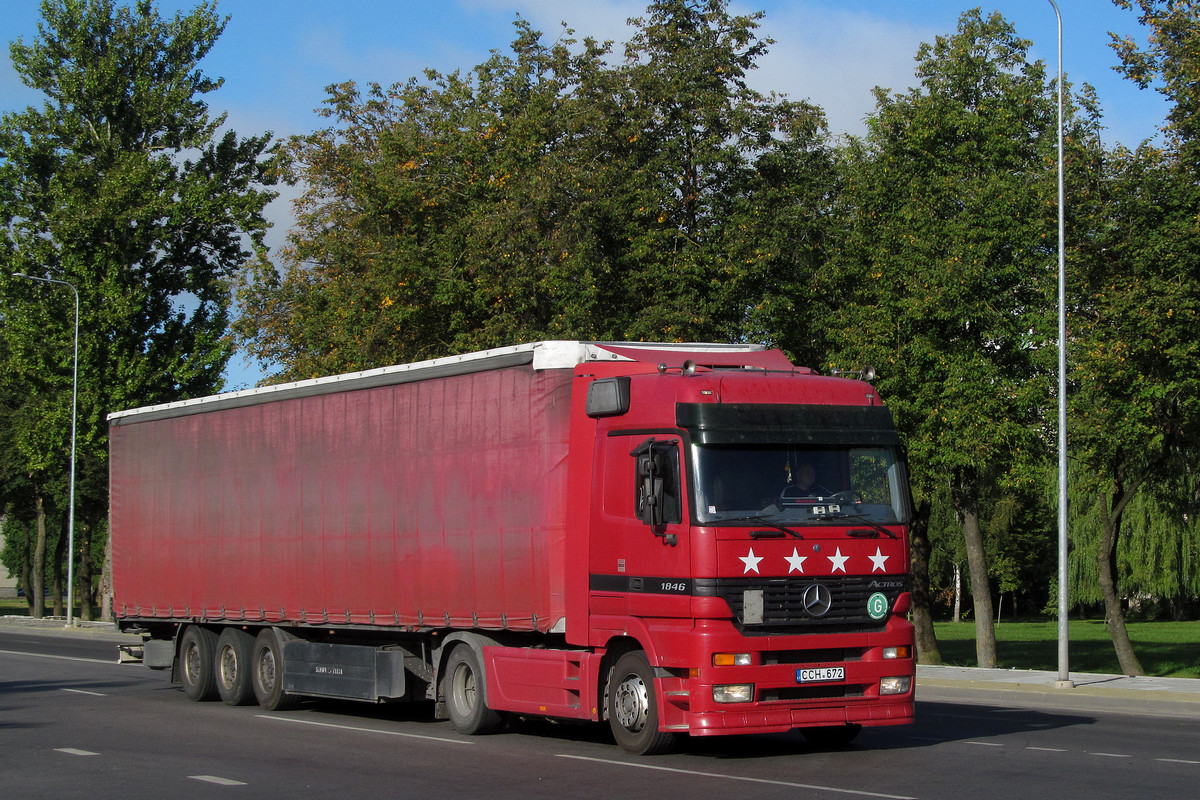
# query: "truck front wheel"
[235,651]
[266,673]
[197,652]
[465,690]
[633,709]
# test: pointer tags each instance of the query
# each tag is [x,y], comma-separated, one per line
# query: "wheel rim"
[266,670]
[632,703]
[463,687]
[191,662]
[228,669]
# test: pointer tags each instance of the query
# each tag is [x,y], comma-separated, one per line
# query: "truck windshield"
[796,485]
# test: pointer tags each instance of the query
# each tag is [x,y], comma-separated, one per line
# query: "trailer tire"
[633,707]
[465,692]
[235,651]
[266,673]
[197,658]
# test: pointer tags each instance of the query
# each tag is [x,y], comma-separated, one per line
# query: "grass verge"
[1165,649]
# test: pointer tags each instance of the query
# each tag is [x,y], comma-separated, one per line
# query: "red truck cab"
[760,604]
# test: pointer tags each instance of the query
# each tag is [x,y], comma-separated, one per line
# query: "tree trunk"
[957,592]
[27,574]
[926,640]
[84,577]
[56,587]
[965,492]
[1114,615]
[106,585]
[38,567]
[981,592]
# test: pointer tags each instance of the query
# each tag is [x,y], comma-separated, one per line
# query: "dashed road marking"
[72,751]
[363,730]
[84,691]
[219,781]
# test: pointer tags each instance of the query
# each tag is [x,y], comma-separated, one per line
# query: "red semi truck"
[697,539]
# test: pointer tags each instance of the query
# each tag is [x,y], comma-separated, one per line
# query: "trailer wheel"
[632,708]
[464,688]
[235,651]
[197,653]
[266,673]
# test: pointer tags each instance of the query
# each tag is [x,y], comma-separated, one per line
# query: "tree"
[547,194]
[947,209]
[123,185]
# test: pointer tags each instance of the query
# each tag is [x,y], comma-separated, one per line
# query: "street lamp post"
[1064,672]
[74,406]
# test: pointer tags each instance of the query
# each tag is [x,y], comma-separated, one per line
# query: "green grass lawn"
[1167,649]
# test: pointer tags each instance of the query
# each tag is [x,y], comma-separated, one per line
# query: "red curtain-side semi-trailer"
[675,539]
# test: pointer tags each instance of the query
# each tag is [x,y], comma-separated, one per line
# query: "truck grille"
[790,605]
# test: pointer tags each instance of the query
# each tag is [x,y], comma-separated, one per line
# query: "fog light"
[731,659]
[896,685]
[734,693]
[903,651]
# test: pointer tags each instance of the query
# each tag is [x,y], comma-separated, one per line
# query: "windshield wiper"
[860,518]
[765,521]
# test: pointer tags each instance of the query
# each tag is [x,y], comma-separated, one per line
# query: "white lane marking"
[71,751]
[60,658]
[217,780]
[738,778]
[1177,761]
[84,691]
[362,730]
[1047,749]
[985,744]
[1111,755]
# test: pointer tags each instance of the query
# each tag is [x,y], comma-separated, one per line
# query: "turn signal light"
[903,651]
[731,659]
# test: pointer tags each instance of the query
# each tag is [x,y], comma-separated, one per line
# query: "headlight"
[896,685]
[903,651]
[734,693]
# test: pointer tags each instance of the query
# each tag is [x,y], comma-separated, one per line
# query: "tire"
[197,656]
[633,709]
[832,738]
[465,692]
[235,651]
[266,673]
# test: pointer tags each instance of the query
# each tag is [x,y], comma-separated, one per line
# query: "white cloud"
[835,59]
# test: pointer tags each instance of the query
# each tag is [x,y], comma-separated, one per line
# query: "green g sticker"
[877,605]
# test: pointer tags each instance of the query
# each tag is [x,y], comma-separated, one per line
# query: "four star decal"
[837,561]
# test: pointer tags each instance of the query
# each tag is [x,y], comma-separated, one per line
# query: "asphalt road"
[75,724]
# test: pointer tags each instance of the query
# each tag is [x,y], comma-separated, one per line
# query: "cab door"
[640,547]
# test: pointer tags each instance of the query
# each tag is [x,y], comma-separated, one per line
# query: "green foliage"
[124,186]
[548,194]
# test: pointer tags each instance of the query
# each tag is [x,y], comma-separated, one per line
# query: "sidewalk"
[1128,687]
[57,626]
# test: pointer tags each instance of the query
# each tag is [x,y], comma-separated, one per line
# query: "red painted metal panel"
[407,504]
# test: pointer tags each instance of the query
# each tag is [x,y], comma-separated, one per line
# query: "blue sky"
[278,55]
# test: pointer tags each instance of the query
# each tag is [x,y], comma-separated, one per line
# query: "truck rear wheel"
[197,652]
[235,651]
[266,673]
[465,694]
[633,708]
